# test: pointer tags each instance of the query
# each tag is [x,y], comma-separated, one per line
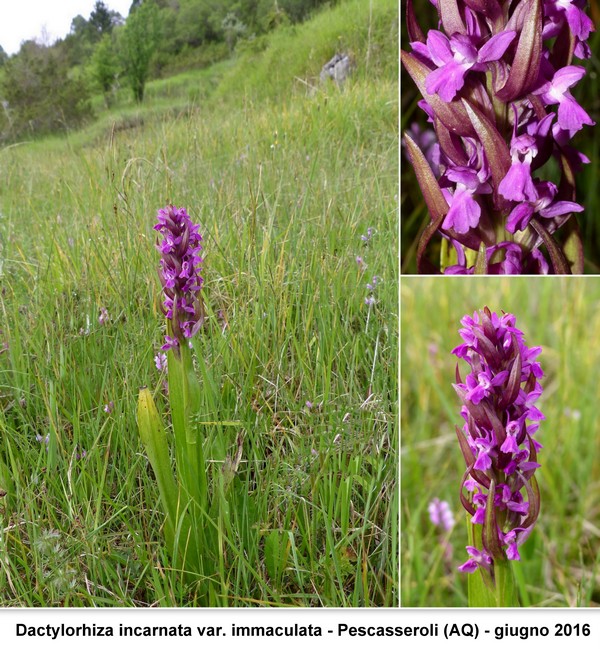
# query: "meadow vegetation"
[291,181]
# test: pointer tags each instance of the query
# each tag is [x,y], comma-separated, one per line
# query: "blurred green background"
[560,560]
[414,215]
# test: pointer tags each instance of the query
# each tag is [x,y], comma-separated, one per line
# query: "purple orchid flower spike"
[180,268]
[496,83]
[499,490]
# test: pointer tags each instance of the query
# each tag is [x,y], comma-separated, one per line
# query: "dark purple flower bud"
[496,440]
[180,267]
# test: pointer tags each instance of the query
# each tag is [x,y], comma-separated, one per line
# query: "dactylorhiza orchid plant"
[499,491]
[185,494]
[499,181]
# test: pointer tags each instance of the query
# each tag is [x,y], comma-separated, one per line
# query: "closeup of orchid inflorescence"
[180,267]
[499,490]
[499,180]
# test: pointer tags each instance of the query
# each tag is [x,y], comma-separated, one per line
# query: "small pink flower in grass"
[160,360]
[109,407]
[440,514]
[103,317]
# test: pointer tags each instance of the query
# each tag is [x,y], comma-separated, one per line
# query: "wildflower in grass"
[496,82]
[442,517]
[440,514]
[160,360]
[180,267]
[367,237]
[499,489]
[109,407]
[43,439]
[103,317]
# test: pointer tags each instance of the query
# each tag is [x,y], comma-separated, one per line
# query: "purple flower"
[498,400]
[180,267]
[518,185]
[160,360]
[571,116]
[109,407]
[440,514]
[544,205]
[103,317]
[455,56]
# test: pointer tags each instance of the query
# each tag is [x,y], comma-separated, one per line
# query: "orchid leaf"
[451,113]
[496,149]
[528,56]
[415,33]
[557,257]
[451,18]
[436,203]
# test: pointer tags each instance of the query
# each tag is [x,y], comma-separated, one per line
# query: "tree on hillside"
[103,20]
[140,39]
[40,95]
[105,66]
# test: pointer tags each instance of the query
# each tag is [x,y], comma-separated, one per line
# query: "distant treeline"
[46,88]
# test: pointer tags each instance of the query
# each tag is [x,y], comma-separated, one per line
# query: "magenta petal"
[469,566]
[439,47]
[571,115]
[580,23]
[446,81]
[512,552]
[567,77]
[494,49]
[559,208]
[509,445]
[464,212]
[519,218]
[518,185]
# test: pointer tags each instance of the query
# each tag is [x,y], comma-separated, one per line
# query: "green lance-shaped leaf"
[154,439]
[526,63]
[480,583]
[495,147]
[184,399]
[451,113]
[436,203]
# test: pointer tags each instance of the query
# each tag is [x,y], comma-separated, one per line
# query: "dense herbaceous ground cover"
[294,184]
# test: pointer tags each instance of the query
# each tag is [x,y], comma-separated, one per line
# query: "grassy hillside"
[291,181]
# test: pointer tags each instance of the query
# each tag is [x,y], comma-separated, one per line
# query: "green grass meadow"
[560,559]
[285,176]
